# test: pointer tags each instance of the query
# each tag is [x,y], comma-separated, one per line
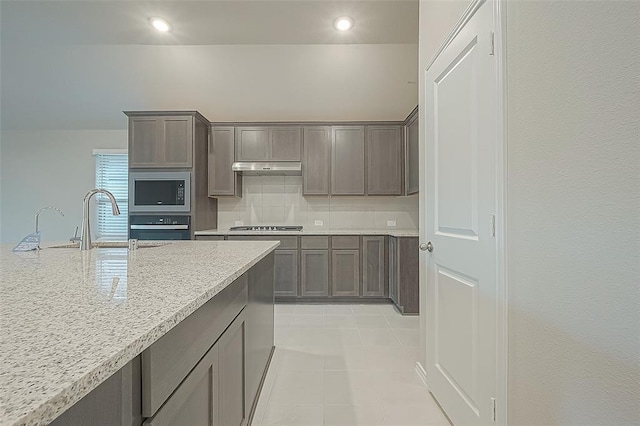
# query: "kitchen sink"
[111,244]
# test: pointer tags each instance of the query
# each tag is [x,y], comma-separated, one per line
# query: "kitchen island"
[131,328]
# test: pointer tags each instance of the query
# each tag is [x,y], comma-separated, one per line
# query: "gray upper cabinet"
[412,142]
[316,160]
[347,161]
[252,144]
[285,143]
[161,141]
[315,272]
[269,143]
[345,273]
[222,180]
[373,266]
[384,160]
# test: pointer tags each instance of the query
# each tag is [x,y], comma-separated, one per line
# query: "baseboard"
[422,373]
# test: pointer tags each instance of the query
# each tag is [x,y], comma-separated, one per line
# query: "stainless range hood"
[263,168]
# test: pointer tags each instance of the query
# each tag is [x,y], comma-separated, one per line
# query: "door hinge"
[491,43]
[493,401]
[492,225]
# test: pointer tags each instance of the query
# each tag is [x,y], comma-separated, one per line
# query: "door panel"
[316,161]
[144,135]
[222,180]
[286,273]
[285,144]
[347,160]
[315,272]
[345,272]
[252,144]
[373,278]
[231,356]
[177,149]
[460,182]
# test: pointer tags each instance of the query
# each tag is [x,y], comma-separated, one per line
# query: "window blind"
[112,171]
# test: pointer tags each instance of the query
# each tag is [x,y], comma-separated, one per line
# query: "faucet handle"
[75,237]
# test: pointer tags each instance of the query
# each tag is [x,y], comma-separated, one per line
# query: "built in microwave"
[160,192]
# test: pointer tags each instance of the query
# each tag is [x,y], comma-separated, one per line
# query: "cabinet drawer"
[316,242]
[168,361]
[286,242]
[345,242]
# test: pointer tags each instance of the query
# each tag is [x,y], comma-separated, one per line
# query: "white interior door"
[460,181]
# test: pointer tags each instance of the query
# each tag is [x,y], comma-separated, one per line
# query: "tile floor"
[345,365]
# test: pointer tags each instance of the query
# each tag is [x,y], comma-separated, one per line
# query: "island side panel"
[260,325]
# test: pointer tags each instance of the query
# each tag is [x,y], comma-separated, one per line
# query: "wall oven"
[159,227]
[161,192]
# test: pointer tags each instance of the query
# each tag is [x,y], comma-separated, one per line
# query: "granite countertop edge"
[74,392]
[304,232]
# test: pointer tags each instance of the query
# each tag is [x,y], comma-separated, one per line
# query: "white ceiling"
[209,22]
[79,64]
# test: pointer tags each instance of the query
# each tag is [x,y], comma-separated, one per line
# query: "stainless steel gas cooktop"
[266,228]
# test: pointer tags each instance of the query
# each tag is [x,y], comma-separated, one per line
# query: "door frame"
[500,51]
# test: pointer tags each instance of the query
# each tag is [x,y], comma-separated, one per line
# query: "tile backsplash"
[278,200]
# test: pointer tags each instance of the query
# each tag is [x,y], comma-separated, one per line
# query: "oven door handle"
[151,227]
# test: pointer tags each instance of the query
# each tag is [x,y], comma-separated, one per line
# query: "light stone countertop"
[70,319]
[392,232]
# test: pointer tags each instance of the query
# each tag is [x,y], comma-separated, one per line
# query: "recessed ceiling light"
[160,24]
[343,23]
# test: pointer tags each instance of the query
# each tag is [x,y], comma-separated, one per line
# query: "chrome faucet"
[85,243]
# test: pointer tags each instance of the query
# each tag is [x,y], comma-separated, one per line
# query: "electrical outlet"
[318,223]
[239,223]
[391,223]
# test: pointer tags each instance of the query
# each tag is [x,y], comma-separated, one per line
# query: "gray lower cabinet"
[412,146]
[404,269]
[286,273]
[384,160]
[222,180]
[315,273]
[197,399]
[347,161]
[345,273]
[374,282]
[231,377]
[316,161]
[213,392]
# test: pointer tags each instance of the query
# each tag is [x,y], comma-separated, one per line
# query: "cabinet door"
[286,273]
[231,377]
[411,163]
[252,144]
[315,272]
[347,160]
[373,266]
[285,144]
[393,269]
[345,273]
[384,160]
[316,160]
[177,142]
[195,402]
[144,138]
[222,180]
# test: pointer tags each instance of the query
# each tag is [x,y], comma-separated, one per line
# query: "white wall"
[437,19]
[278,200]
[574,212]
[42,168]
[88,86]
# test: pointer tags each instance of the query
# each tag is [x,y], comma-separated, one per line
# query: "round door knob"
[427,247]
